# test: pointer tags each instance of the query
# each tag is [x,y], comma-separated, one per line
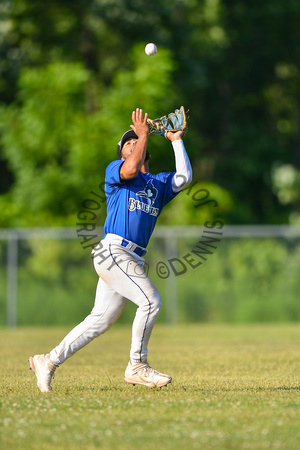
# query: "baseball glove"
[175,121]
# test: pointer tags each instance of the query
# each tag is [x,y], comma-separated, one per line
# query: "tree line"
[72,72]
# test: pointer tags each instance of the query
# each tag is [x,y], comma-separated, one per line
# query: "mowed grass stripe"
[234,387]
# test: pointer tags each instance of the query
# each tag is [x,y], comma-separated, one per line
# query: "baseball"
[150,49]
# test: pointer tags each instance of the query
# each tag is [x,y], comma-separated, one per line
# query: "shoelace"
[52,368]
[141,366]
[148,370]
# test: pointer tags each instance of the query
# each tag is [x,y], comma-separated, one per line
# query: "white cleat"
[142,373]
[44,370]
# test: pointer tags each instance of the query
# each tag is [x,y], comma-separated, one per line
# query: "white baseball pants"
[121,278]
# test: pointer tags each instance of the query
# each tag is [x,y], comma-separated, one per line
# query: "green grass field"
[234,387]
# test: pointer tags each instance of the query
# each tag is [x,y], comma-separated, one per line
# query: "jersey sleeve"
[112,173]
[166,178]
[112,176]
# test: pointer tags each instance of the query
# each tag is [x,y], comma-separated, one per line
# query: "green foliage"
[251,280]
[286,185]
[60,138]
[198,203]
[71,72]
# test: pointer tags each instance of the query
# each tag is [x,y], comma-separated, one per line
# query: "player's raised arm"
[184,173]
[134,150]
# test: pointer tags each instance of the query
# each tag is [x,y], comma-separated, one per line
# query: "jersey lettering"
[137,204]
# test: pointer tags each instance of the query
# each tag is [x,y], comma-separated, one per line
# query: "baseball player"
[135,198]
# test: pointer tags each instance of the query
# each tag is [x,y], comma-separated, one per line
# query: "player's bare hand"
[173,136]
[140,126]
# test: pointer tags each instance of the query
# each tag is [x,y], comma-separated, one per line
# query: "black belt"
[140,251]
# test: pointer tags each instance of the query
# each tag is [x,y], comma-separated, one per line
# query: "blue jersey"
[134,205]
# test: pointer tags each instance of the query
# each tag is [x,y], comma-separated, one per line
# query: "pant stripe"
[149,303]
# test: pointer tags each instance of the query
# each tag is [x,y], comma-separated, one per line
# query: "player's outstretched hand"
[140,126]
[173,136]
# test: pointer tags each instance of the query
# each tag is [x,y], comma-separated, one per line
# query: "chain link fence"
[207,274]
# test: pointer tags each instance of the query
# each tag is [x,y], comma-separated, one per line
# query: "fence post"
[171,283]
[12,279]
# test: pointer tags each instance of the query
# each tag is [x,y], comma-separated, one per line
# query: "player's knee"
[158,300]
[150,301]
[155,301]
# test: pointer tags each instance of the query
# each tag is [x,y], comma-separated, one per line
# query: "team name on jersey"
[137,204]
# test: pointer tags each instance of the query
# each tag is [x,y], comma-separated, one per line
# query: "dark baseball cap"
[130,134]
